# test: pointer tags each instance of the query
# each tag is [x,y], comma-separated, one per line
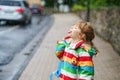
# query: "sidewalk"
[44,61]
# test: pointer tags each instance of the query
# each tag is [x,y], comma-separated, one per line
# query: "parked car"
[15,11]
[36,9]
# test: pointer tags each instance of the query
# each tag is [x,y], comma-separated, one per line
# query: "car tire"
[23,23]
[30,21]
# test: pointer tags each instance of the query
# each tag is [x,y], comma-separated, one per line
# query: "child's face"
[74,32]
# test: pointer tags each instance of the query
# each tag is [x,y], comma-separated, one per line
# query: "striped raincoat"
[77,60]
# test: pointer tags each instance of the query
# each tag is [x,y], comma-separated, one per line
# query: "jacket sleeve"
[85,66]
[59,51]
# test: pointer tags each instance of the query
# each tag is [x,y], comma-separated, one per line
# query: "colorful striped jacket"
[77,60]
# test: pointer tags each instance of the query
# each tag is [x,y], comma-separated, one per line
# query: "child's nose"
[70,29]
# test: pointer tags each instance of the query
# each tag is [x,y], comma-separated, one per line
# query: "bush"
[77,7]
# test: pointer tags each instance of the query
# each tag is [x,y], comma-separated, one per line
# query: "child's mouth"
[69,32]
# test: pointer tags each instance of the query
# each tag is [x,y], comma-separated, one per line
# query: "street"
[15,38]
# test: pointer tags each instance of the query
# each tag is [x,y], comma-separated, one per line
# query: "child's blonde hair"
[88,32]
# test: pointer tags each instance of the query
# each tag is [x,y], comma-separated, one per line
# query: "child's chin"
[68,35]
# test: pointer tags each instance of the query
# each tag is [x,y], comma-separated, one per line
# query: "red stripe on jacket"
[69,55]
[66,77]
[85,58]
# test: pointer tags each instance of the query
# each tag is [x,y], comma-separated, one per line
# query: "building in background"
[34,2]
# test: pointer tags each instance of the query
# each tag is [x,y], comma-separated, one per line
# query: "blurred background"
[104,14]
[21,21]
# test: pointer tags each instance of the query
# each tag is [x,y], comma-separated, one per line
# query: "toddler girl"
[76,52]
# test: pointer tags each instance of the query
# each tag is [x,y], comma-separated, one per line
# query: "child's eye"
[76,28]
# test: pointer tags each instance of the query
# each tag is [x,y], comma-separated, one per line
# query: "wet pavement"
[19,44]
[44,61]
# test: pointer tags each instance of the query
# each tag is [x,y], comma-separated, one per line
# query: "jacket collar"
[76,45]
[81,44]
[73,46]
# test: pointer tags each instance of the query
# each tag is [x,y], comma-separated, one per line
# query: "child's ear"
[83,36]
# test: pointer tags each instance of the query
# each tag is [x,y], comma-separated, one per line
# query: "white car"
[15,11]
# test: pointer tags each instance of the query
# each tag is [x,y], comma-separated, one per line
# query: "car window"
[10,3]
[34,6]
[26,4]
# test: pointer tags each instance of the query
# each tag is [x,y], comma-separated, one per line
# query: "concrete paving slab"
[107,62]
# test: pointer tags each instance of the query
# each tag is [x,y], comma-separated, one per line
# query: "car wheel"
[23,23]
[0,22]
[30,21]
[10,22]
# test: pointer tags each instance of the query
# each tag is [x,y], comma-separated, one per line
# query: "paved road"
[13,38]
[107,62]
[20,44]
